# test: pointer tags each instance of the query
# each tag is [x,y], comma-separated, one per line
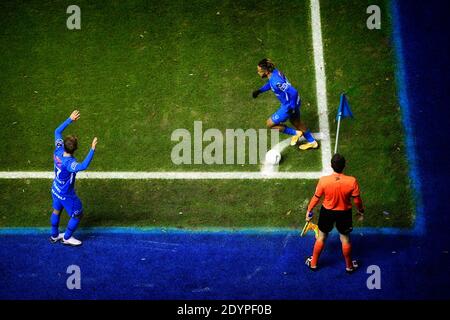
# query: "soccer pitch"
[139,70]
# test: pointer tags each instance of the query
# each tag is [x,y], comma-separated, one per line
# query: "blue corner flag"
[344,110]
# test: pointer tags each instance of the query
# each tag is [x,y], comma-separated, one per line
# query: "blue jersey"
[66,168]
[282,88]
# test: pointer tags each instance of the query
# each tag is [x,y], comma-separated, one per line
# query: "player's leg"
[75,210]
[294,118]
[325,224]
[72,225]
[300,126]
[54,220]
[344,224]
[347,251]
[317,250]
[272,125]
[310,143]
[276,122]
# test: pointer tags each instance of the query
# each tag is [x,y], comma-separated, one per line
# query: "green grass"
[363,66]
[139,70]
[140,203]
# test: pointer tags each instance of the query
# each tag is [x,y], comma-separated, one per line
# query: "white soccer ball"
[273,157]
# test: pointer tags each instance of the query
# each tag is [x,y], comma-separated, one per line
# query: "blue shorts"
[71,203]
[287,112]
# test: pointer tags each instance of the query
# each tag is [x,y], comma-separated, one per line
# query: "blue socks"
[289,131]
[71,227]
[308,136]
[54,219]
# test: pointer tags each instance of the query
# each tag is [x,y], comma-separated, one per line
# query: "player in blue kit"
[289,108]
[63,192]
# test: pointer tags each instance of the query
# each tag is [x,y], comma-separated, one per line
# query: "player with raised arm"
[289,108]
[63,192]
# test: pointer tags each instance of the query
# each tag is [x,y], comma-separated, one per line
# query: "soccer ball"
[273,157]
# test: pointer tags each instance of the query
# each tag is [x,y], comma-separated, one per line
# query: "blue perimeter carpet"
[188,265]
[211,266]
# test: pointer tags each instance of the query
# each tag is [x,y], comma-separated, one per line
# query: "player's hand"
[94,143]
[309,216]
[360,216]
[75,115]
[255,94]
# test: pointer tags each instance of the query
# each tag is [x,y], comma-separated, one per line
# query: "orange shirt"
[338,190]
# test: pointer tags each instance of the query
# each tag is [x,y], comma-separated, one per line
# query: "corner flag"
[344,111]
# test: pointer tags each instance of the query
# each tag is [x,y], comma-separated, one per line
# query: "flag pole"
[339,123]
[337,132]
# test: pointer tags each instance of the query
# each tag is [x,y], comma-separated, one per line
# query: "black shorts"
[342,219]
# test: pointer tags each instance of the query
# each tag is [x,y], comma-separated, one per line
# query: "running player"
[63,192]
[289,108]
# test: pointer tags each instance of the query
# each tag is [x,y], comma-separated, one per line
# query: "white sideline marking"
[266,173]
[175,175]
[170,175]
[321,85]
